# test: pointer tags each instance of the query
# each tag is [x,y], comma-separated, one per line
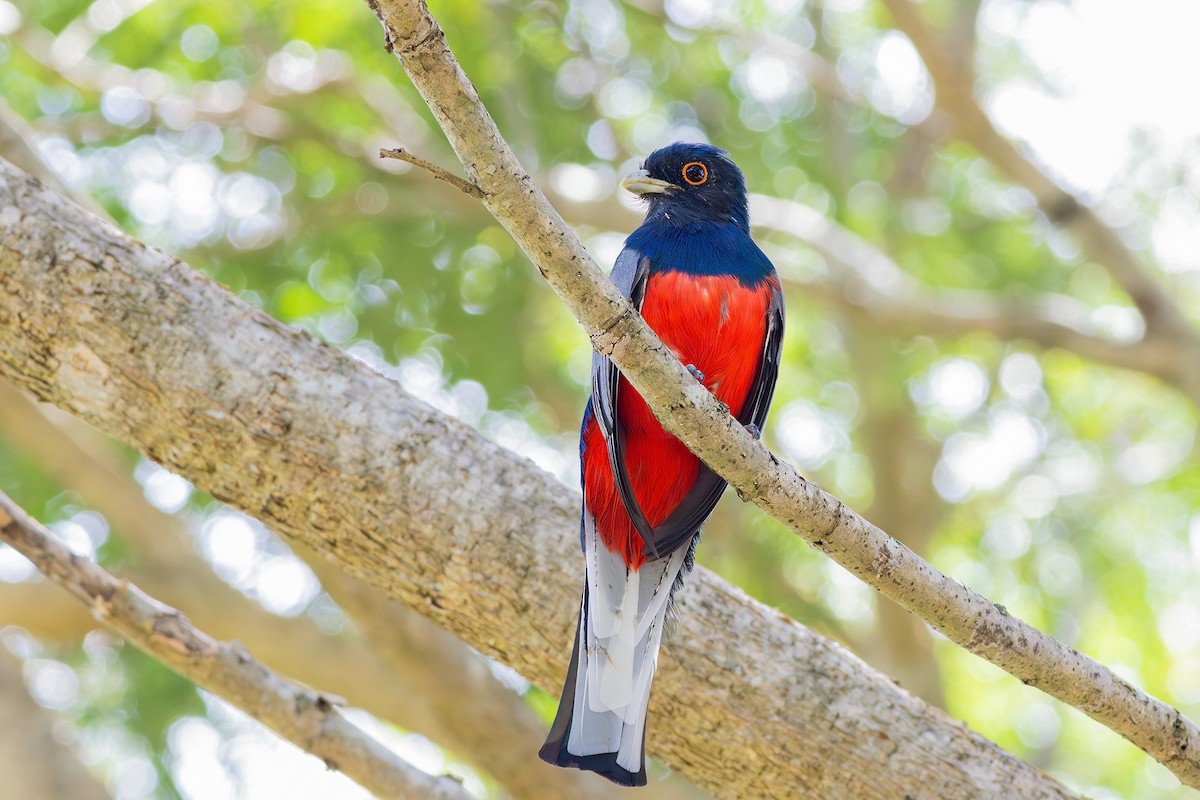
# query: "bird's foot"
[695,373]
[754,431]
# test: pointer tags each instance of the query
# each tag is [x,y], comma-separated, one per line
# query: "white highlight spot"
[10,18]
[955,387]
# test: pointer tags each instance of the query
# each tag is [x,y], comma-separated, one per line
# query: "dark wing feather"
[629,273]
[758,401]
[682,524]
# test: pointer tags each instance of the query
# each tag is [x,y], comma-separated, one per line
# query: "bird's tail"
[601,720]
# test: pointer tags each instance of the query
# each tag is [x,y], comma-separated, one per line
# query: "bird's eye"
[695,173]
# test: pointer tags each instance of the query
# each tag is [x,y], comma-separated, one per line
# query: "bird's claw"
[695,373]
[754,431]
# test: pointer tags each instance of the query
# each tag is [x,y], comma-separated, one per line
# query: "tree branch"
[330,453]
[400,154]
[687,410]
[305,718]
[393,644]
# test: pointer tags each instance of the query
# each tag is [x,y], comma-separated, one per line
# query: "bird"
[701,283]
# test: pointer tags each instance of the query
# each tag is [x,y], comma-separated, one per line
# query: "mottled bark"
[687,410]
[305,718]
[34,764]
[324,450]
[392,646]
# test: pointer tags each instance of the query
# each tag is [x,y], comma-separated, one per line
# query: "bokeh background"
[927,377]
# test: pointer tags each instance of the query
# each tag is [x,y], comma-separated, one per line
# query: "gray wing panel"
[754,412]
[629,273]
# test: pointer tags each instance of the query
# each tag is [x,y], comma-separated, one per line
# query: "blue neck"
[700,247]
[688,208]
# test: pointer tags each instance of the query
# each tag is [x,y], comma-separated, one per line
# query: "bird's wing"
[758,401]
[629,273]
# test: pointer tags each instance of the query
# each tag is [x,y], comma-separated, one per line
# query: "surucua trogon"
[713,297]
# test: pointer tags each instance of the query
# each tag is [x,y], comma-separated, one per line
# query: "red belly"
[712,322]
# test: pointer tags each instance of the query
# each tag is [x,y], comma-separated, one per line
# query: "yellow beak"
[640,183]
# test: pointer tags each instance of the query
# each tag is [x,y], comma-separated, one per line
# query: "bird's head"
[691,182]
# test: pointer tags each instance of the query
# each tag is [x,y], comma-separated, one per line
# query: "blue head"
[698,221]
[692,183]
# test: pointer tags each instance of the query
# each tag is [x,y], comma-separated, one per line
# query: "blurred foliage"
[243,137]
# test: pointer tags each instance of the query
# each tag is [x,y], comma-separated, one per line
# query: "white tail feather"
[613,690]
[624,614]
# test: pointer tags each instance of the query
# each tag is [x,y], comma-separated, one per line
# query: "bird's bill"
[640,183]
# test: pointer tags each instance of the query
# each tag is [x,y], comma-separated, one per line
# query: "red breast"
[713,322]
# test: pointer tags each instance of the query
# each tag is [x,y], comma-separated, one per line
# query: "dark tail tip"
[604,764]
[554,751]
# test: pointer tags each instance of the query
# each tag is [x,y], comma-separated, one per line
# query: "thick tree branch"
[687,410]
[306,719]
[392,647]
[393,644]
[330,453]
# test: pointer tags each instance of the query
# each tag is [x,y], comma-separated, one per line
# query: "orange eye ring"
[687,168]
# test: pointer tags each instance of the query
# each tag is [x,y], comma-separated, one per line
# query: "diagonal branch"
[393,644]
[332,454]
[400,154]
[687,410]
[305,718]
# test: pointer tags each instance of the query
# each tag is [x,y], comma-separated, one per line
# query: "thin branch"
[400,154]
[393,644]
[691,413]
[305,718]
[330,453]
